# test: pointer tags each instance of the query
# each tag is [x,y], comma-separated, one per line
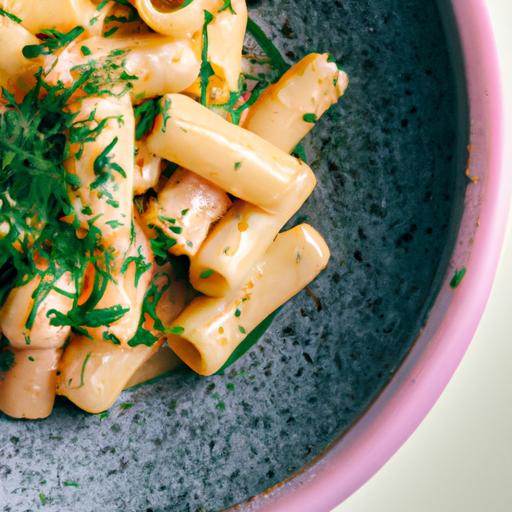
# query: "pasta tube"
[287,110]
[213,328]
[104,167]
[127,289]
[93,373]
[152,65]
[232,158]
[14,37]
[241,238]
[49,14]
[178,21]
[185,209]
[147,169]
[27,390]
[24,320]
[226,35]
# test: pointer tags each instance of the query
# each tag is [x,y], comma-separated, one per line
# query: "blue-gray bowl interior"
[389,201]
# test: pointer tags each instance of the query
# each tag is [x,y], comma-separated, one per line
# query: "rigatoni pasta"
[145,175]
[41,15]
[232,158]
[214,327]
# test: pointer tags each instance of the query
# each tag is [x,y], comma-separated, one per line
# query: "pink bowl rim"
[427,369]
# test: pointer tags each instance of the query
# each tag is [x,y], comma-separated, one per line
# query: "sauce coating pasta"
[146,171]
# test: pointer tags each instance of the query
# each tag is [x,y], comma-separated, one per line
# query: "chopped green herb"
[230,386]
[125,406]
[242,329]
[457,278]
[114,224]
[70,483]
[11,16]
[267,46]
[184,212]
[43,499]
[55,41]
[85,50]
[31,359]
[176,330]
[310,118]
[141,265]
[238,313]
[103,415]
[169,220]
[227,5]
[238,165]
[82,371]
[206,274]
[206,71]
[161,245]
[221,406]
[145,114]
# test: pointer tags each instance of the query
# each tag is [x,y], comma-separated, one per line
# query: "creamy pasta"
[148,166]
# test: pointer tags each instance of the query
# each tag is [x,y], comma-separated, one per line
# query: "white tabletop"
[460,458]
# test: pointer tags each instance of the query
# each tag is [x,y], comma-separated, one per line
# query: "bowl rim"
[426,371]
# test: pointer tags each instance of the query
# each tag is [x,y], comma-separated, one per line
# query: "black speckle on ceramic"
[388,186]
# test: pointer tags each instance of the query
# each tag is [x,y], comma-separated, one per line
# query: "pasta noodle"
[287,110]
[184,210]
[94,373]
[241,238]
[27,390]
[214,327]
[232,158]
[150,65]
[126,289]
[145,175]
[26,324]
[109,201]
[225,43]
[62,15]
[13,36]
[177,20]
[147,169]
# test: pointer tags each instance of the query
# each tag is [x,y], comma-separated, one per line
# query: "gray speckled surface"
[388,193]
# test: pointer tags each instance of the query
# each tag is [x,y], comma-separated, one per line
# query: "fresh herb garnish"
[458,277]
[55,41]
[206,71]
[70,483]
[227,5]
[11,16]
[310,118]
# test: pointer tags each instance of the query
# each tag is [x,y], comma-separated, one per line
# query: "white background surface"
[460,458]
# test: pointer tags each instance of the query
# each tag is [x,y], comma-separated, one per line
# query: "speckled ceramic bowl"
[333,389]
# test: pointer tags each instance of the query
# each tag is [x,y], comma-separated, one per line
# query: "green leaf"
[457,278]
[310,118]
[252,338]
[11,16]
[206,70]
[267,46]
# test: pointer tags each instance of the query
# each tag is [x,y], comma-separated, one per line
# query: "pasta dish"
[150,158]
